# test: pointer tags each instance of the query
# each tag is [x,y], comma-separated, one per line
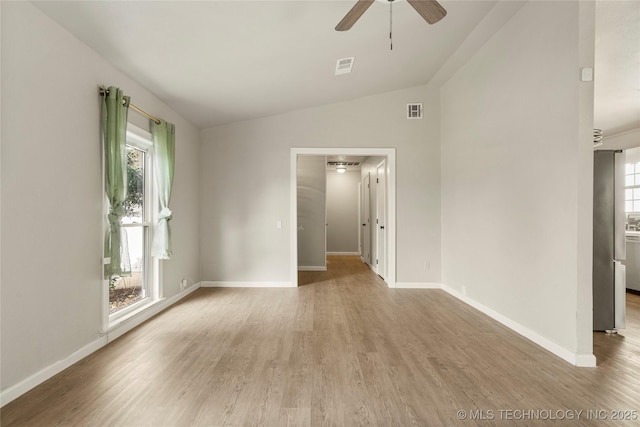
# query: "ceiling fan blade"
[430,10]
[353,15]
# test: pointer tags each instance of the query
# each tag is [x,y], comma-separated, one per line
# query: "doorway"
[632,220]
[390,206]
[626,335]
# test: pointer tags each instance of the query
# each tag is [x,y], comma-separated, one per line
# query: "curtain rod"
[104,92]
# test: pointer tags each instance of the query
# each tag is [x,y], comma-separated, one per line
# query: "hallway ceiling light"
[341,169]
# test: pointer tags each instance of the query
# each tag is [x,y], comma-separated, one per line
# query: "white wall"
[632,155]
[52,192]
[342,211]
[239,239]
[312,194]
[516,186]
[622,141]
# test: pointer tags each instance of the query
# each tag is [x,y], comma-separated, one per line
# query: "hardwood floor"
[341,350]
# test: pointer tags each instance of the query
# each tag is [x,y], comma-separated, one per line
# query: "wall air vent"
[597,138]
[414,111]
[344,65]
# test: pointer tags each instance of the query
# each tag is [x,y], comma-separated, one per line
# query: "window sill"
[130,320]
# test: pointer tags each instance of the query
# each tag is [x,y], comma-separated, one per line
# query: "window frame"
[139,139]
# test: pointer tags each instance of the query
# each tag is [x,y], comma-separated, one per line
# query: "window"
[135,287]
[632,188]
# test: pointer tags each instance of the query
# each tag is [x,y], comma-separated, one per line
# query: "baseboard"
[370,267]
[574,359]
[343,253]
[585,361]
[225,284]
[161,305]
[13,392]
[418,285]
[312,268]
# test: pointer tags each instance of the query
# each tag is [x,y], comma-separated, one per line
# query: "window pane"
[628,194]
[128,288]
[629,180]
[134,203]
[628,168]
[136,248]
[636,206]
[628,206]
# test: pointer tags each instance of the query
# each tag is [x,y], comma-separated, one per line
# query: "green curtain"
[114,128]
[164,162]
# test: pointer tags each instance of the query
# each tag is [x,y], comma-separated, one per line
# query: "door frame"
[381,267]
[390,154]
[365,196]
[359,228]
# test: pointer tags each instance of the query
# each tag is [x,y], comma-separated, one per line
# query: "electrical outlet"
[427,265]
[183,284]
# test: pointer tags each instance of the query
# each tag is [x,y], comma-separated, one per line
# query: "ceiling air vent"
[414,111]
[343,163]
[344,65]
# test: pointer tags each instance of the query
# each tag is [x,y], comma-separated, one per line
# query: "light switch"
[278,225]
[587,74]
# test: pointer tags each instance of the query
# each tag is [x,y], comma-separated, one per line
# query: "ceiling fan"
[430,10]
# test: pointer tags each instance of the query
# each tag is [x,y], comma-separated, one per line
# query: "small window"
[632,188]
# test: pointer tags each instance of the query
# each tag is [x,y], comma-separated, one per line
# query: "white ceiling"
[217,62]
[221,61]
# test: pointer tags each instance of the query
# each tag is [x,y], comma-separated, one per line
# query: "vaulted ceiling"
[222,61]
[217,62]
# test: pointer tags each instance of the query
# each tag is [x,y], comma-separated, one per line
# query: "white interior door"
[366,219]
[381,232]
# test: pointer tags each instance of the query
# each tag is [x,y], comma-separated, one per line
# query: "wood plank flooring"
[340,350]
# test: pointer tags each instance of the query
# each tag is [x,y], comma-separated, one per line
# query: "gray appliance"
[632,263]
[609,245]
